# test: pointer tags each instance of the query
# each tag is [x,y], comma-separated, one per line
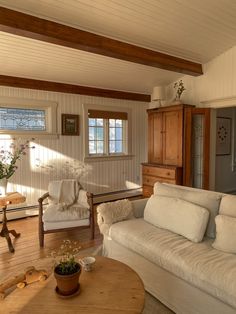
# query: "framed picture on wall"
[223,136]
[69,124]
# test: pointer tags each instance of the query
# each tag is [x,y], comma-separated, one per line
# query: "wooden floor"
[27,247]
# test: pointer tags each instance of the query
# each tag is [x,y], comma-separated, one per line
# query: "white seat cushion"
[75,212]
[65,224]
[199,264]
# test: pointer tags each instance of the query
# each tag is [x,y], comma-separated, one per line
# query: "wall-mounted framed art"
[69,124]
[223,136]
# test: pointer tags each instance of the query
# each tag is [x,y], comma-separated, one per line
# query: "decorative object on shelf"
[87,263]
[31,275]
[8,159]
[69,124]
[67,271]
[223,136]
[179,87]
[158,94]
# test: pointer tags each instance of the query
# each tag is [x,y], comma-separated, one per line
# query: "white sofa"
[188,277]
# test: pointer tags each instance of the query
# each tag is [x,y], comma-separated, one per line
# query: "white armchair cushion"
[178,216]
[225,234]
[54,214]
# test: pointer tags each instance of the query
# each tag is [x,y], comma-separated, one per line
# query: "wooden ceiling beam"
[21,82]
[22,24]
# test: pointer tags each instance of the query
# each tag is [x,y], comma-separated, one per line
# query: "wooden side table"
[9,198]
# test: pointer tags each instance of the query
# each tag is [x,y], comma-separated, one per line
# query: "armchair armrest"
[40,200]
[112,212]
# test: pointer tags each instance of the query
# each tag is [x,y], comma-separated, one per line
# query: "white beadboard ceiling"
[197,30]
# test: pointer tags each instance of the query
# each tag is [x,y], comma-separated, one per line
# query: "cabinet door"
[155,138]
[172,137]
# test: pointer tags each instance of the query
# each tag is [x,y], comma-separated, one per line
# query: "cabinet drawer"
[159,172]
[147,191]
[151,180]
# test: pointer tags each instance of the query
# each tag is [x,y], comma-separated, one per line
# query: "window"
[23,116]
[22,119]
[107,133]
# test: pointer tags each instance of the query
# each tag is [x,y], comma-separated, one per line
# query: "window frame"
[126,134]
[49,107]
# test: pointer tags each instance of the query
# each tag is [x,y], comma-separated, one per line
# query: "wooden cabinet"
[165,135]
[159,173]
[167,146]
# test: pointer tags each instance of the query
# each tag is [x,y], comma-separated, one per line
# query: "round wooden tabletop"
[112,287]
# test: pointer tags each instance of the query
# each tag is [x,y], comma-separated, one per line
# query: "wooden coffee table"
[112,287]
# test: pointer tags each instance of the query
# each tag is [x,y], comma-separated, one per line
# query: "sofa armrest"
[138,207]
[112,212]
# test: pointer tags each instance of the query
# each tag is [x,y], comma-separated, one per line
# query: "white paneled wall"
[105,176]
[217,82]
[215,89]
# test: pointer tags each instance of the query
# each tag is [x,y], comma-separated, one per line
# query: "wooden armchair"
[61,224]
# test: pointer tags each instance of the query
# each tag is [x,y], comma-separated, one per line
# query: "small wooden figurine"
[31,275]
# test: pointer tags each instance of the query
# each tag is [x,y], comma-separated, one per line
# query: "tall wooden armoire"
[168,145]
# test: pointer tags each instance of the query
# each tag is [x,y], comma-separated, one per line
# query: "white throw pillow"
[225,234]
[207,199]
[228,205]
[176,215]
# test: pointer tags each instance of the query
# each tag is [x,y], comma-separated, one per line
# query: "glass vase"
[3,186]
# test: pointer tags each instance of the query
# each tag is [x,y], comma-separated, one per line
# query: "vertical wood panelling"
[218,81]
[105,176]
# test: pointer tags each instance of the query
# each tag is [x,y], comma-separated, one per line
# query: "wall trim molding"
[21,82]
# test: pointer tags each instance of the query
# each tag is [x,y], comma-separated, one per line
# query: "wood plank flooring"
[27,247]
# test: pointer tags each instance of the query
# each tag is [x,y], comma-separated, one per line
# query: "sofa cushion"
[228,205]
[207,199]
[199,264]
[225,234]
[177,215]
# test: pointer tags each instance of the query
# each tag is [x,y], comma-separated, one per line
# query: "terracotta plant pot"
[67,284]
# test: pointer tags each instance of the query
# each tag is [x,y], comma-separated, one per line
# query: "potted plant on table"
[67,270]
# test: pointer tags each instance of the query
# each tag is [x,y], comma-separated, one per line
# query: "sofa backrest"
[208,199]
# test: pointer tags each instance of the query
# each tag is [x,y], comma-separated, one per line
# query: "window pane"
[92,122]
[119,123]
[112,134]
[22,119]
[91,133]
[100,147]
[112,122]
[119,134]
[112,147]
[118,147]
[99,133]
[99,122]
[92,147]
